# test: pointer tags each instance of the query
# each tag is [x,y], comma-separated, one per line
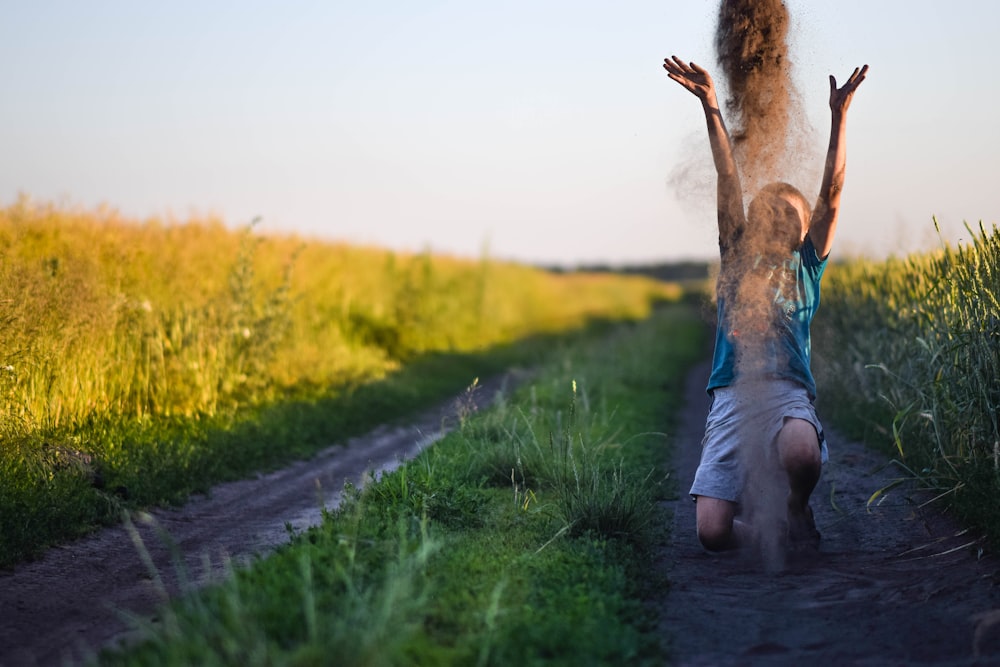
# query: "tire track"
[65,606]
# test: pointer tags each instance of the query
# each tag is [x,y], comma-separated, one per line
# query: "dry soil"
[893,583]
[78,597]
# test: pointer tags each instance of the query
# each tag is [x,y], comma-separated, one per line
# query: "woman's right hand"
[693,77]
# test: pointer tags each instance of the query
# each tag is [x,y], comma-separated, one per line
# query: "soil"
[763,105]
[894,583]
[77,598]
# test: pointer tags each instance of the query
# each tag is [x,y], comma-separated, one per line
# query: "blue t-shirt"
[786,353]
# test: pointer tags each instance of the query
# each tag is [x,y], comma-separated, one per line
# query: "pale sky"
[533,130]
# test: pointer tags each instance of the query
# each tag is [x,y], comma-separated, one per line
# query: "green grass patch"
[522,537]
[140,361]
[908,357]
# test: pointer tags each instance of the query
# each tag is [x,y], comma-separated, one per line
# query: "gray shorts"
[743,416]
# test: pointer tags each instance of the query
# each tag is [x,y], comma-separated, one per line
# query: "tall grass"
[480,551]
[140,360]
[913,346]
[102,314]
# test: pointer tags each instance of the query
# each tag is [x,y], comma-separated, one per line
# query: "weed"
[913,347]
[172,355]
[388,579]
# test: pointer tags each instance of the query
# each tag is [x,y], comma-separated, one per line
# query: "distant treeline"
[672,272]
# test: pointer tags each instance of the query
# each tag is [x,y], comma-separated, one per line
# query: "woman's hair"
[786,191]
[774,219]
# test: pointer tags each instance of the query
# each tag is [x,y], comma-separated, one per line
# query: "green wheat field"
[142,361]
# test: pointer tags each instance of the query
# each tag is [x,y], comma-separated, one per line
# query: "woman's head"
[780,213]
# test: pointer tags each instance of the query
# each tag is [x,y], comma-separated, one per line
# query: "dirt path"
[63,607]
[897,585]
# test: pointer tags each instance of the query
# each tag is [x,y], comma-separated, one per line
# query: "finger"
[681,65]
[698,68]
[833,84]
[856,78]
[675,75]
[672,68]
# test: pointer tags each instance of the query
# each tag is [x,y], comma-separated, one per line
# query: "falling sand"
[768,133]
[763,106]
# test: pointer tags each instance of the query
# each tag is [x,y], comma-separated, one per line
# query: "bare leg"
[718,527]
[799,455]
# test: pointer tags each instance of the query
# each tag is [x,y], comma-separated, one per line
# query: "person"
[763,392]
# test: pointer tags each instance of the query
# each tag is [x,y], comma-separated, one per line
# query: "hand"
[692,77]
[840,98]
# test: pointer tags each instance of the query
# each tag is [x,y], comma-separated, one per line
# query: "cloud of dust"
[692,179]
[768,127]
[763,503]
[770,141]
[772,137]
[751,42]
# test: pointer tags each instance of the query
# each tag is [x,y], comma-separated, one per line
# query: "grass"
[520,538]
[908,355]
[144,360]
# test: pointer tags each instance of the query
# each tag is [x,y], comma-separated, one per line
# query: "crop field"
[908,356]
[523,537]
[143,360]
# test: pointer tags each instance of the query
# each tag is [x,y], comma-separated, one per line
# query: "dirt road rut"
[66,605]
[896,583]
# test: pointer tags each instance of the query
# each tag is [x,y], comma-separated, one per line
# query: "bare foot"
[802,530]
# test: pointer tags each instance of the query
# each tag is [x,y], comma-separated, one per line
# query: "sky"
[541,131]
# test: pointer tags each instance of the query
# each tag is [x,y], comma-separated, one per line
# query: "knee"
[715,524]
[803,462]
[799,447]
[715,536]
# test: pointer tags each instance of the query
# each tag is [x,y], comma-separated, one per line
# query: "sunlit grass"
[142,360]
[442,562]
[912,347]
